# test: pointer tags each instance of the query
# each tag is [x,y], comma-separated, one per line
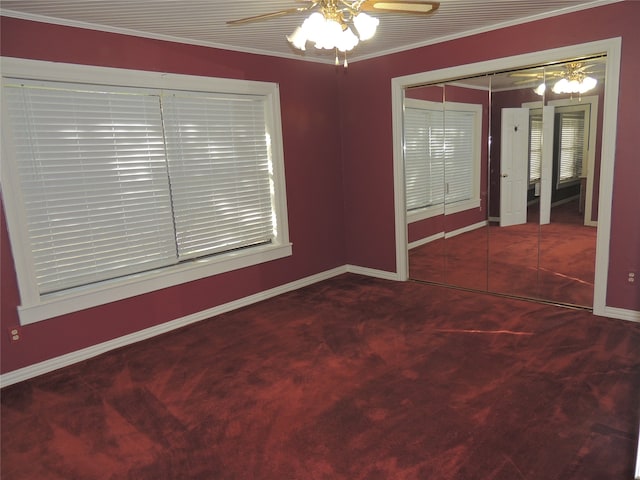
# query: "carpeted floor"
[352,378]
[553,262]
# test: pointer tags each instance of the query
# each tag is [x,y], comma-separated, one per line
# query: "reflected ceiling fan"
[329,26]
[573,77]
[567,70]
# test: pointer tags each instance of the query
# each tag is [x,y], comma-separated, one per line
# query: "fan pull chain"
[346,64]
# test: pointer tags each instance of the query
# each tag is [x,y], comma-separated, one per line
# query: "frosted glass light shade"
[298,39]
[366,25]
[574,86]
[540,89]
[330,34]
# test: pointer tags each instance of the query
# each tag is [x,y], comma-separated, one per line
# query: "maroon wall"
[369,214]
[313,173]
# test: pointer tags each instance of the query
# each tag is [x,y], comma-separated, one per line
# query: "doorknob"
[504,175]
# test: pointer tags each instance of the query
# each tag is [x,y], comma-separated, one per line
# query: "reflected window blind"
[535,147]
[571,145]
[93,176]
[219,166]
[424,157]
[459,154]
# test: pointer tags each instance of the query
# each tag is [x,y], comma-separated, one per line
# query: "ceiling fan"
[573,77]
[416,7]
[330,22]
[572,69]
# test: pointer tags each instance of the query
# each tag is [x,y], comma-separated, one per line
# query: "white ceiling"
[203,22]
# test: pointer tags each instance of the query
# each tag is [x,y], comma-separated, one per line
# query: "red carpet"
[554,262]
[352,378]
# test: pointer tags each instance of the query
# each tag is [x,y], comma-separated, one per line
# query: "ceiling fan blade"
[266,16]
[522,74]
[539,74]
[414,7]
[526,81]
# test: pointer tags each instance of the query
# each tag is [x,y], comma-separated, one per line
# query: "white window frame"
[35,307]
[474,202]
[538,113]
[438,208]
[585,109]
[588,161]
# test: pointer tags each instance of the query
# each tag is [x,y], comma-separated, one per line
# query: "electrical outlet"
[14,334]
[632,277]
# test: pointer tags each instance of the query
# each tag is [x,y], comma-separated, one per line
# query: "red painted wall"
[311,138]
[369,215]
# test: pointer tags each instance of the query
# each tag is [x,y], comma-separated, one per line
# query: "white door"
[546,170]
[514,166]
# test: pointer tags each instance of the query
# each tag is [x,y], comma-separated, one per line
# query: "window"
[535,145]
[571,144]
[442,157]
[122,184]
[424,157]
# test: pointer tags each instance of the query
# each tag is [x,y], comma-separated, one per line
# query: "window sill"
[424,213]
[54,305]
[434,211]
[567,183]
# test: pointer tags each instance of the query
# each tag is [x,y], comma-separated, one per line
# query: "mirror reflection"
[573,120]
[515,183]
[501,175]
[424,181]
[466,167]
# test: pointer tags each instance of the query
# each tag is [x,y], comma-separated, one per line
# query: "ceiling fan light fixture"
[324,33]
[330,24]
[330,27]
[574,85]
[575,80]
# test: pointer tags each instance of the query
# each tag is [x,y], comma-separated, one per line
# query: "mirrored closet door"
[500,176]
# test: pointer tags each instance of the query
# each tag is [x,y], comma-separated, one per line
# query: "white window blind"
[118,181]
[535,147]
[441,150]
[219,167]
[571,144]
[459,148]
[93,176]
[424,157]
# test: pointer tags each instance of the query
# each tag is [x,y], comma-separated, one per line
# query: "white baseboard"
[621,314]
[56,363]
[424,241]
[468,228]
[453,233]
[637,475]
[86,353]
[370,272]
